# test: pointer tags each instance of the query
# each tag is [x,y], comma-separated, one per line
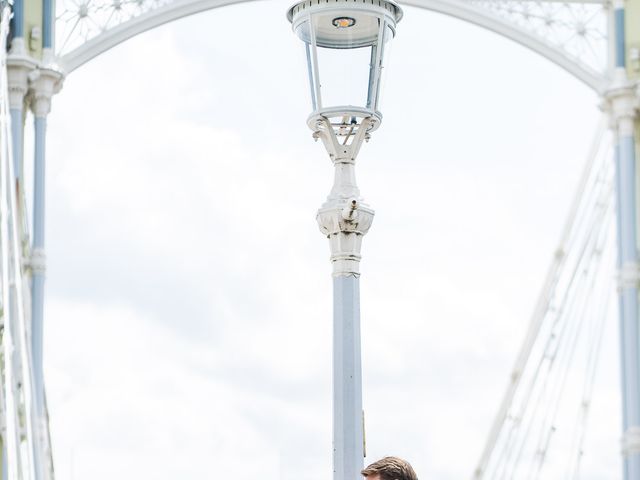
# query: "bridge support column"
[622,102]
[622,105]
[18,69]
[628,298]
[17,22]
[44,85]
[48,28]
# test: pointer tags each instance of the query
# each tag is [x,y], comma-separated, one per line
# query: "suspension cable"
[535,390]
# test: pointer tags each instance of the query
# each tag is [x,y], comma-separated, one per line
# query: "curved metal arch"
[456,8]
[126,30]
[482,18]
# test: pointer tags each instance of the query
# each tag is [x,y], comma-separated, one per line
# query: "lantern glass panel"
[343,61]
[384,66]
[344,75]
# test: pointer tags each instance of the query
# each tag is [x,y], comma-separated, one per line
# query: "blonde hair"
[391,468]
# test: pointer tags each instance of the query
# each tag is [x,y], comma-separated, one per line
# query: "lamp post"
[346,42]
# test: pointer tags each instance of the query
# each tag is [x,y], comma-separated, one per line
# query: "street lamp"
[346,43]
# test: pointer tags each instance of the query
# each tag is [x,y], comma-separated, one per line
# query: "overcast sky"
[188,307]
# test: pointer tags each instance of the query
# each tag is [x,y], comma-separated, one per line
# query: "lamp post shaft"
[348,436]
[345,219]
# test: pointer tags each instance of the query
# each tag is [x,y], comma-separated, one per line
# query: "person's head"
[390,468]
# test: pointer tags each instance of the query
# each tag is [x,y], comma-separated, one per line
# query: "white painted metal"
[474,14]
[11,434]
[622,103]
[348,428]
[335,37]
[45,81]
[344,218]
[18,68]
[18,324]
[314,78]
[316,121]
[375,80]
[108,36]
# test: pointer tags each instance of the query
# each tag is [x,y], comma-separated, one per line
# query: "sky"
[188,303]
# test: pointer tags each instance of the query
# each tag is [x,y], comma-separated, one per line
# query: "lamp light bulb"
[344,22]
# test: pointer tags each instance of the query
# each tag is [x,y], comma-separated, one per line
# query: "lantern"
[346,45]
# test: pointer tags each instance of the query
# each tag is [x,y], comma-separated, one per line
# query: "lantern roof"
[336,19]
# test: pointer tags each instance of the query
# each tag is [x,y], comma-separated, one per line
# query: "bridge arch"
[456,8]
